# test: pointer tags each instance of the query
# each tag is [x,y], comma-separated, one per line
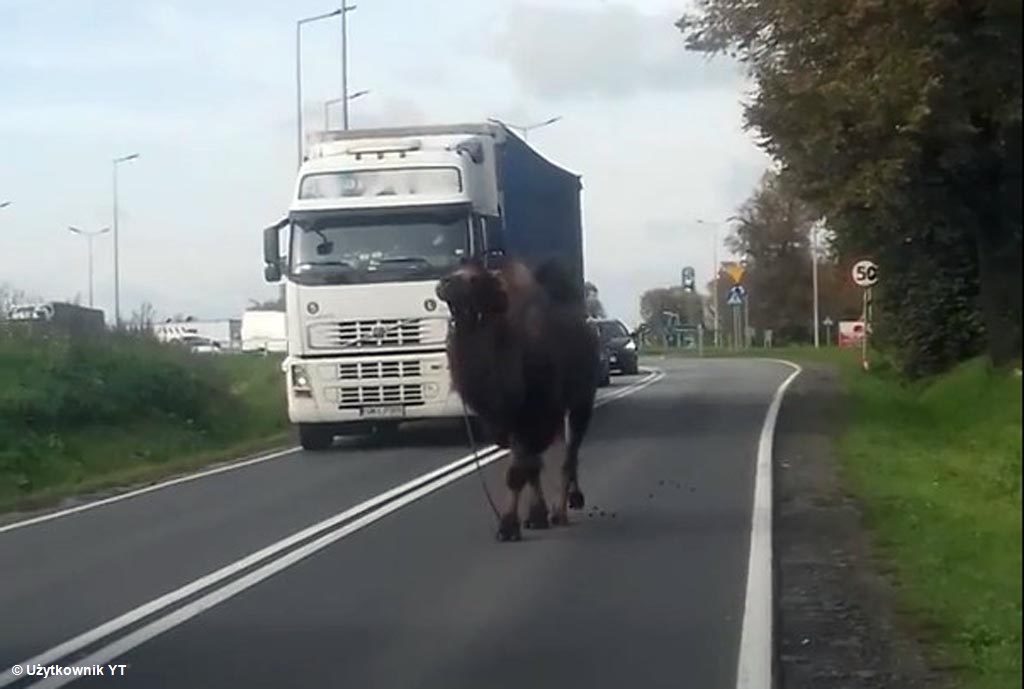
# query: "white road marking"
[326,532]
[754,667]
[148,489]
[231,466]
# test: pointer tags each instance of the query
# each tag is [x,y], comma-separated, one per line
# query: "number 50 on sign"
[865,273]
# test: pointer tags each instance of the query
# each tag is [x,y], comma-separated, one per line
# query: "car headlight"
[631,346]
[300,377]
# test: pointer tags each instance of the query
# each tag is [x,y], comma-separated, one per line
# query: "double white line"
[281,555]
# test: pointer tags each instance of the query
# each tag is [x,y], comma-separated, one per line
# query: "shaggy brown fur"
[525,361]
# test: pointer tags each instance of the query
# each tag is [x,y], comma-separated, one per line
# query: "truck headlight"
[300,378]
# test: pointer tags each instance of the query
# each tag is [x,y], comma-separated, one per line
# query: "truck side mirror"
[272,253]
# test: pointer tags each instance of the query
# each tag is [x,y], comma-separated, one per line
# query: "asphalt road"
[645,589]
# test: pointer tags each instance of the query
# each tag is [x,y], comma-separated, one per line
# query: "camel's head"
[472,292]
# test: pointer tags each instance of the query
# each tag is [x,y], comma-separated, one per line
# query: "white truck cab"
[376,218]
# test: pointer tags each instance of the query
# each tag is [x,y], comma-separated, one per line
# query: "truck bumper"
[371,388]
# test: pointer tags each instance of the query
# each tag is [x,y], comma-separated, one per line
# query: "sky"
[204,92]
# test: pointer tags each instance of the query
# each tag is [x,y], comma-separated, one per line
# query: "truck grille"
[379,369]
[365,395]
[370,333]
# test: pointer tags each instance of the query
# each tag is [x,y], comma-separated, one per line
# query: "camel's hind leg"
[578,421]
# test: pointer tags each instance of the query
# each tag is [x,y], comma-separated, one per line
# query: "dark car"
[621,346]
[604,371]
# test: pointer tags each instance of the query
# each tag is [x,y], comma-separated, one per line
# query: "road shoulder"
[836,625]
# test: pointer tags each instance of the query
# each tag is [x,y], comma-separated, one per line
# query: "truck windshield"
[359,247]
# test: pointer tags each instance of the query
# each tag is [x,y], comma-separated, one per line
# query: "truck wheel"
[631,368]
[315,437]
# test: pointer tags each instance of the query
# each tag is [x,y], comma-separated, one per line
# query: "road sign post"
[828,323]
[865,276]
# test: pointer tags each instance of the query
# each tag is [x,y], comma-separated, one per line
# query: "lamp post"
[89,236]
[714,289]
[814,283]
[334,101]
[298,72]
[345,9]
[525,129]
[117,265]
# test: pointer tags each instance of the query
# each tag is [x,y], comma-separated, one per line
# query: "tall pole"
[117,261]
[298,75]
[298,91]
[117,258]
[714,267]
[345,9]
[814,284]
[89,241]
[89,236]
[714,272]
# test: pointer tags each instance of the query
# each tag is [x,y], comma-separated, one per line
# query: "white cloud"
[611,50]
[207,97]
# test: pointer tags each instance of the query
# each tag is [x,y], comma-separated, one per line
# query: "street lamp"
[814,283]
[714,289]
[525,129]
[89,236]
[117,265]
[334,101]
[345,9]
[298,70]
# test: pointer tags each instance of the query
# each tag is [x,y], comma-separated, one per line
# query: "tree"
[773,235]
[143,318]
[900,122]
[656,302]
[595,309]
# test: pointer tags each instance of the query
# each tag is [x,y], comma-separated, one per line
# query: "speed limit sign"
[865,273]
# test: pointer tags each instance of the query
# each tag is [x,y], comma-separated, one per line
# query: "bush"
[71,409]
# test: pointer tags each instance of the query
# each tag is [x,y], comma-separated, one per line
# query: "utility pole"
[715,271]
[814,283]
[345,9]
[298,73]
[117,260]
[89,236]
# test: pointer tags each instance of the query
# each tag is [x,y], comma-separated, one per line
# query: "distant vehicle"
[72,319]
[225,332]
[377,217]
[264,331]
[621,346]
[200,345]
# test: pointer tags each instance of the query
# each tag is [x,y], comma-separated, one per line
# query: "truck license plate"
[390,412]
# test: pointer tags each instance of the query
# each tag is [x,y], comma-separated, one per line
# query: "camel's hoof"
[508,529]
[576,501]
[538,517]
[559,518]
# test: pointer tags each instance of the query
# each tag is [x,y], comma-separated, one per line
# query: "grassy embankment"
[936,466]
[88,415]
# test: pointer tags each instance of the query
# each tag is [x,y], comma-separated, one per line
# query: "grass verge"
[83,416]
[936,466]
